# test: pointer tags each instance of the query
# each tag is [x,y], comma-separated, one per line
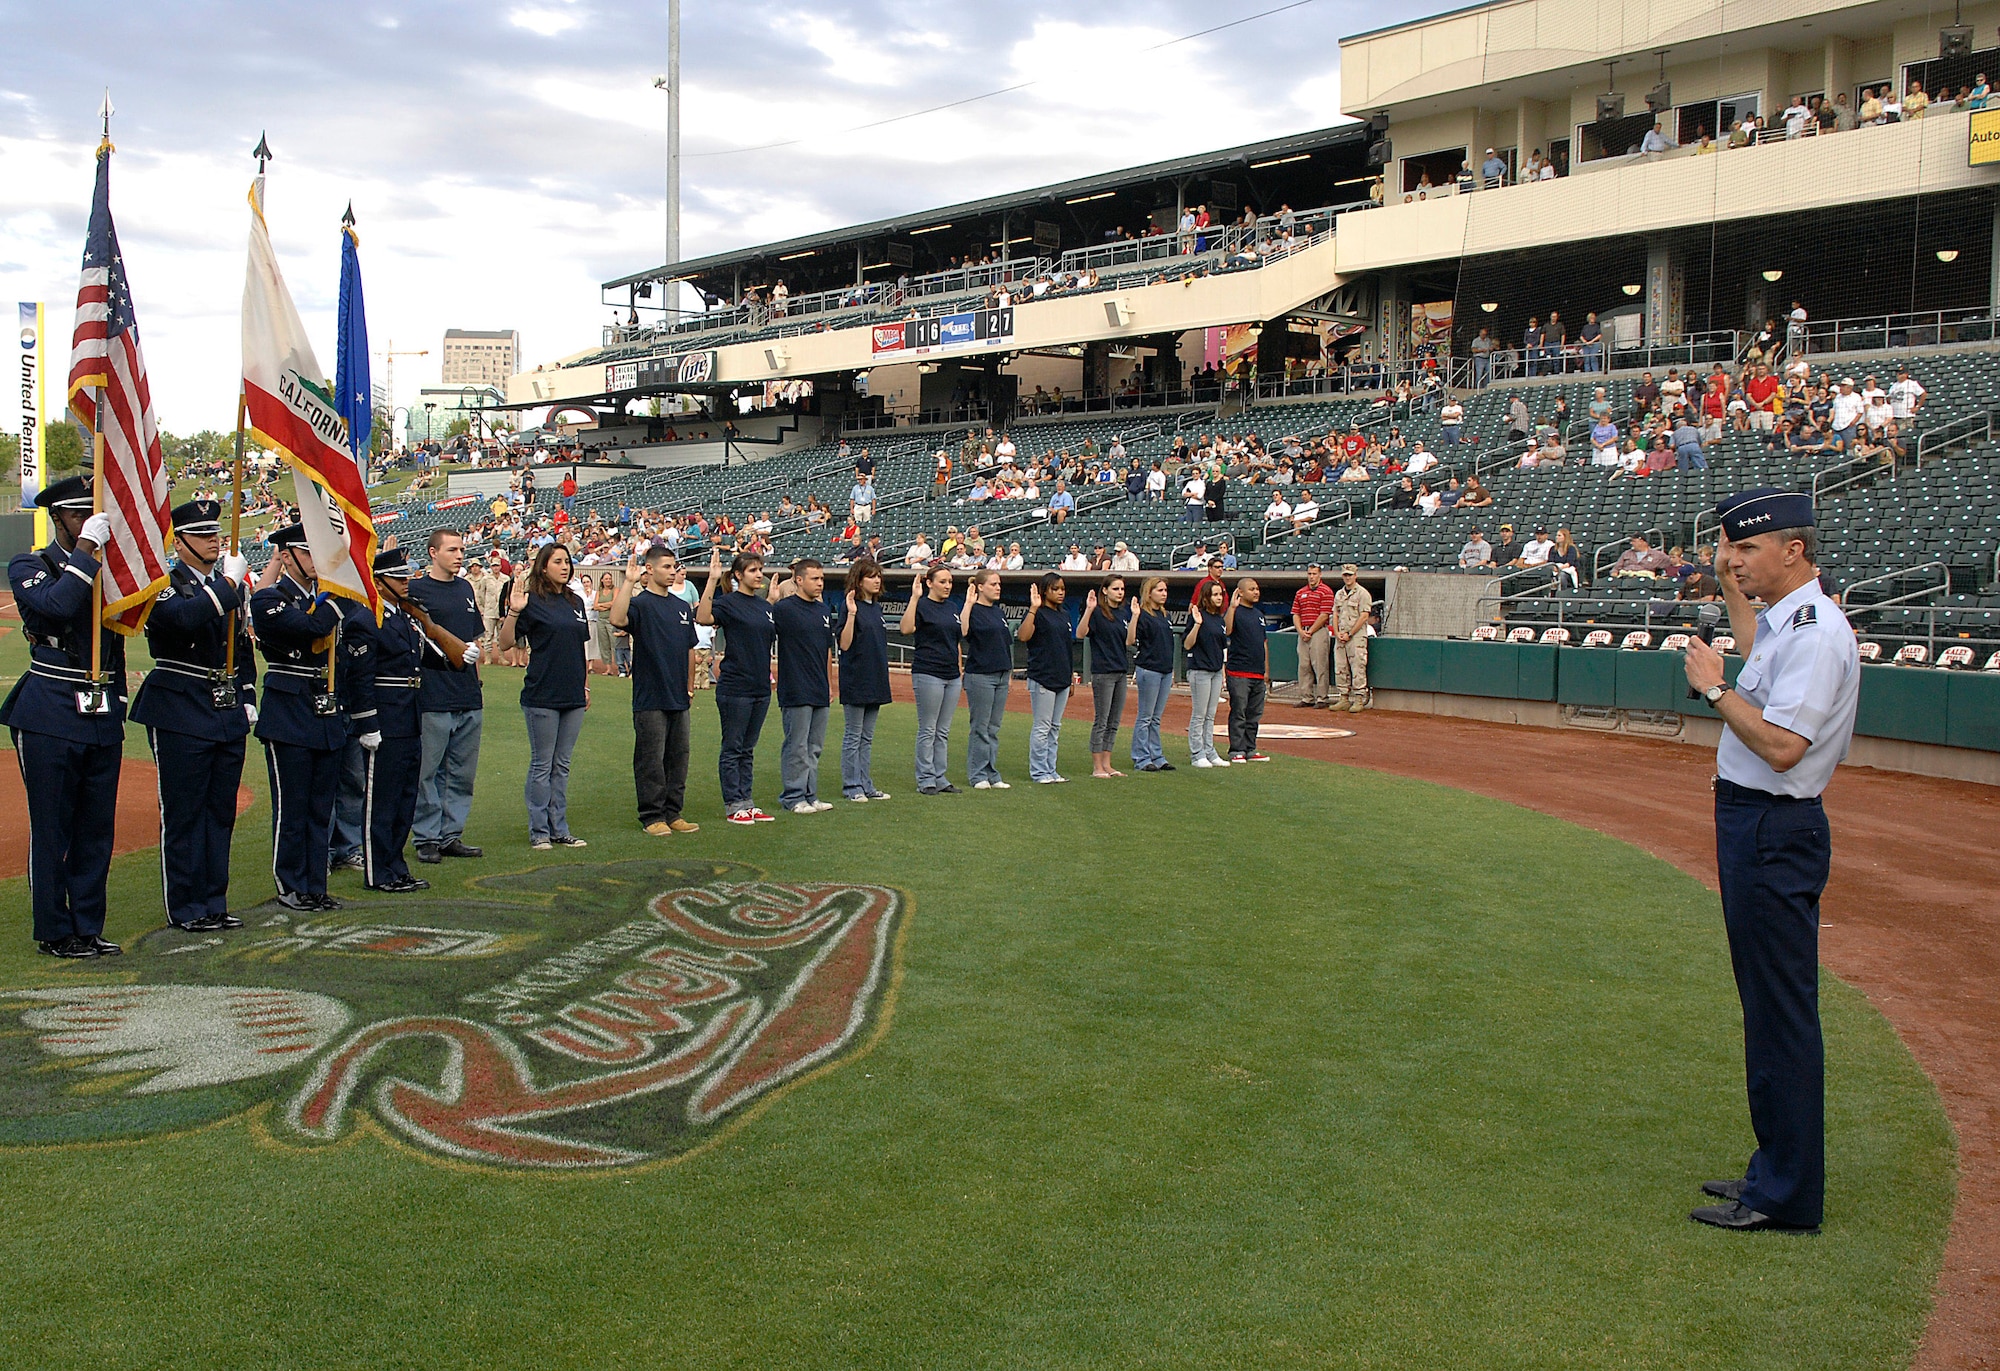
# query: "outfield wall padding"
[1908,704]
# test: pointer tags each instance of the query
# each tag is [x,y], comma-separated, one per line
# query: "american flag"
[107,379]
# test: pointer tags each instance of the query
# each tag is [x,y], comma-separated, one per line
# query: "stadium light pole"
[671,84]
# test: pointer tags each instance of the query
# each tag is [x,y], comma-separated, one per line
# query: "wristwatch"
[1714,693]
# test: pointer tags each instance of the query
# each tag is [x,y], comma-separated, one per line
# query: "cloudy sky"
[503,159]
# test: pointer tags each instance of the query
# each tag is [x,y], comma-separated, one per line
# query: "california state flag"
[287,409]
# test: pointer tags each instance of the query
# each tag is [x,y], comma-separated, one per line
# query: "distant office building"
[480,357]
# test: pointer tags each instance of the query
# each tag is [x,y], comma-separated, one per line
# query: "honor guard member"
[69,730]
[197,712]
[381,675]
[1787,722]
[300,724]
[454,708]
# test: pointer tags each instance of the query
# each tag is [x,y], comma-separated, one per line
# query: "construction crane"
[389,356]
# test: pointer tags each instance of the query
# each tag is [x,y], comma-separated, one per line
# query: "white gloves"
[472,654]
[250,713]
[235,567]
[370,741]
[97,529]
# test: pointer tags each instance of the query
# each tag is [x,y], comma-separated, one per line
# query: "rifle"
[452,646]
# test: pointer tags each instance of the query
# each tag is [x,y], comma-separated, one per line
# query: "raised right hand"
[1034,597]
[517,599]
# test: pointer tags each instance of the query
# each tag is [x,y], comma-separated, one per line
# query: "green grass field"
[1291,1065]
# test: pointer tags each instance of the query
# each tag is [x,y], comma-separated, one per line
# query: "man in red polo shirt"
[1766,398]
[1311,607]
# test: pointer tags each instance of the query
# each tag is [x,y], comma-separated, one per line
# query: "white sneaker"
[805,807]
[821,806]
[1001,785]
[982,785]
[1202,763]
[858,799]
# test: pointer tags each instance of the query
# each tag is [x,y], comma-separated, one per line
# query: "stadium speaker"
[1660,98]
[1610,105]
[1118,313]
[1955,41]
[1380,153]
[777,359]
[1379,123]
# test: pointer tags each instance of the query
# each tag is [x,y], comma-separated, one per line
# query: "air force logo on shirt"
[1807,614]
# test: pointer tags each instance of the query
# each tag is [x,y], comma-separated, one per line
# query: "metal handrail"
[1288,529]
[1847,592]
[1953,430]
[1877,332]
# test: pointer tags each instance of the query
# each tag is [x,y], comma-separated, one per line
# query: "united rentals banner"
[944,333]
[31,415]
[679,368]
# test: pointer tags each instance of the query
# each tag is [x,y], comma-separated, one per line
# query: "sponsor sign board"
[645,373]
[1983,138]
[32,353]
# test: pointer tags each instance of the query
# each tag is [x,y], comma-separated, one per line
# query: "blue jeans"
[742,720]
[1482,368]
[1153,688]
[937,699]
[344,840]
[552,737]
[1048,706]
[1449,432]
[805,739]
[1690,457]
[1593,356]
[444,785]
[1206,688]
[986,701]
[857,750]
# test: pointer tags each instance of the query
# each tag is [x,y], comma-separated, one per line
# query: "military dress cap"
[394,562]
[198,516]
[1349,569]
[73,492]
[291,535]
[1762,509]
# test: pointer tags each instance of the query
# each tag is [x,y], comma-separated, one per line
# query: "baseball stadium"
[1393,983]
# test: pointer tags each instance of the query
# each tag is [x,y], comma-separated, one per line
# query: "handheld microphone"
[1710,619]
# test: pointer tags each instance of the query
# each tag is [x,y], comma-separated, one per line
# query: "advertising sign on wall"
[679,368]
[944,332]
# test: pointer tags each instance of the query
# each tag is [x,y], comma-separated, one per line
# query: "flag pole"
[97,468]
[235,527]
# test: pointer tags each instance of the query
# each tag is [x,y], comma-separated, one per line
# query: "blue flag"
[354,396]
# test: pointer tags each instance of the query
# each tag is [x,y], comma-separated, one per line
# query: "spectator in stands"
[1687,445]
[1404,496]
[1906,394]
[1847,410]
[1535,552]
[1508,551]
[1451,422]
[1214,502]
[921,553]
[1481,349]
[1532,345]
[1477,552]
[1475,495]
[1492,171]
[1075,560]
[1123,558]
[1428,501]
[1590,343]
[1062,504]
[1655,142]
[1518,420]
[1640,559]
[1451,494]
[1420,461]
[861,498]
[1247,663]
[1279,510]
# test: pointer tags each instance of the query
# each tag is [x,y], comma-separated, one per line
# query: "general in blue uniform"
[301,725]
[1787,721]
[197,706]
[381,669]
[69,730]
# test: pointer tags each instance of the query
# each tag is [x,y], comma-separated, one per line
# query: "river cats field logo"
[563,1018]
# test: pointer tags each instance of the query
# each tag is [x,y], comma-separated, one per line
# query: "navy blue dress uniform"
[1773,849]
[381,668]
[69,734]
[196,709]
[301,726]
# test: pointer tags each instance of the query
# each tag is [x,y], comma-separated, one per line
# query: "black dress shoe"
[353,863]
[105,948]
[428,854]
[458,848]
[227,921]
[1164,766]
[402,885]
[207,923]
[303,904]
[71,949]
[1723,1190]
[947,789]
[1741,1218]
[324,903]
